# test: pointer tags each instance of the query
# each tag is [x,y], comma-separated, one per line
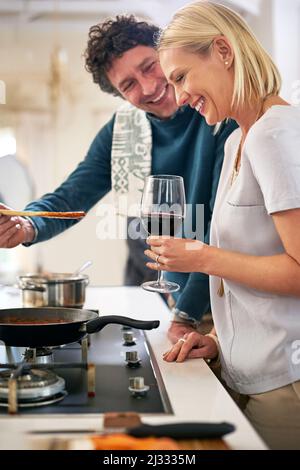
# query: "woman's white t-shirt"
[259,332]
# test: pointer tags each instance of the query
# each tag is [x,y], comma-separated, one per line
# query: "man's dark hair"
[109,40]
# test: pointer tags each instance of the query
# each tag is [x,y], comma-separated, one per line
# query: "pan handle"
[27,285]
[98,323]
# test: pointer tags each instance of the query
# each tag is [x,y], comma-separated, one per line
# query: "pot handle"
[31,286]
[98,323]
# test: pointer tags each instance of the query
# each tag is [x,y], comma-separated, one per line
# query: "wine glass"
[162,213]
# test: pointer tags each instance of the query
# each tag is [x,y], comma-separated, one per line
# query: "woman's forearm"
[277,274]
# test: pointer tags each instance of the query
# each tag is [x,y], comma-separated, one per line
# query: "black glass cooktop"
[112,379]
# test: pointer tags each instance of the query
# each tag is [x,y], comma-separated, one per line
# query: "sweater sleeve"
[194,298]
[83,188]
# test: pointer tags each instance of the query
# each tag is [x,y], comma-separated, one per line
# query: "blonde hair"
[197,24]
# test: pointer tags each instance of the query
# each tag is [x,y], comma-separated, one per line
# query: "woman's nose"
[182,98]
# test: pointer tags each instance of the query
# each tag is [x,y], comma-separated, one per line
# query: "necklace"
[237,160]
[236,166]
[235,172]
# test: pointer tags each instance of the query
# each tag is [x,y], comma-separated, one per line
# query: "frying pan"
[38,327]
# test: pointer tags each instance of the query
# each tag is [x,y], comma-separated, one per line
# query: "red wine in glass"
[162,214]
[162,224]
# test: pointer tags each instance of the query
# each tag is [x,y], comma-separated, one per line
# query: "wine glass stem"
[160,277]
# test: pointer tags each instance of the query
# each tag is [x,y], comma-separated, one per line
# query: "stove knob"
[137,387]
[129,339]
[132,359]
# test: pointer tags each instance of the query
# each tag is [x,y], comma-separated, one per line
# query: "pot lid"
[52,278]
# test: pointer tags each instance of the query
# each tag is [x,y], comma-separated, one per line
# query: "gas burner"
[33,403]
[96,377]
[38,356]
[35,385]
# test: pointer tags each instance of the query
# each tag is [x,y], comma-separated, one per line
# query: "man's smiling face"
[138,77]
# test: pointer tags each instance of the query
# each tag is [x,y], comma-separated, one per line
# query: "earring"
[226,62]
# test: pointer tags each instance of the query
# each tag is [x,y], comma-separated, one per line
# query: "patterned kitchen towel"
[130,158]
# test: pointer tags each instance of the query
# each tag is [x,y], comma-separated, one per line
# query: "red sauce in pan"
[21,321]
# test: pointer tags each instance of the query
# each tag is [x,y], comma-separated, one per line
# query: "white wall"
[286,24]
[52,145]
[278,28]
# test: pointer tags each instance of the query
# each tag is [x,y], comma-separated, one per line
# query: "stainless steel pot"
[53,290]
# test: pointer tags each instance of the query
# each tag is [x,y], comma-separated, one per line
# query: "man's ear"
[223,50]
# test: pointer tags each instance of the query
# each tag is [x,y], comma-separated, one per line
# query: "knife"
[185,430]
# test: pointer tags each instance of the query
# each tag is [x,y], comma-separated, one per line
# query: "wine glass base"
[162,287]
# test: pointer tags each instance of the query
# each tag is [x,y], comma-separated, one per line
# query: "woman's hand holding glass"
[176,254]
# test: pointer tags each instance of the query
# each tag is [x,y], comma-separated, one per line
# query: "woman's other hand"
[177,330]
[191,346]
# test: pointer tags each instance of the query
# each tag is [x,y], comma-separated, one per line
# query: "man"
[123,61]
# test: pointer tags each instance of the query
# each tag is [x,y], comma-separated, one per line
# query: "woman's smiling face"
[204,82]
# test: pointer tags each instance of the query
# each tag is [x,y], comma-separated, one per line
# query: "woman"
[218,67]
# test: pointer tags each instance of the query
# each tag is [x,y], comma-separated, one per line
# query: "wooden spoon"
[53,215]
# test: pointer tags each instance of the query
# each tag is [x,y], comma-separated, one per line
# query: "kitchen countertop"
[193,390]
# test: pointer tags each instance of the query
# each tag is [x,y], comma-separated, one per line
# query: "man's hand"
[14,230]
[193,345]
[178,329]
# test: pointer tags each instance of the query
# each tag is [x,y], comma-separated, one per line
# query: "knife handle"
[190,430]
